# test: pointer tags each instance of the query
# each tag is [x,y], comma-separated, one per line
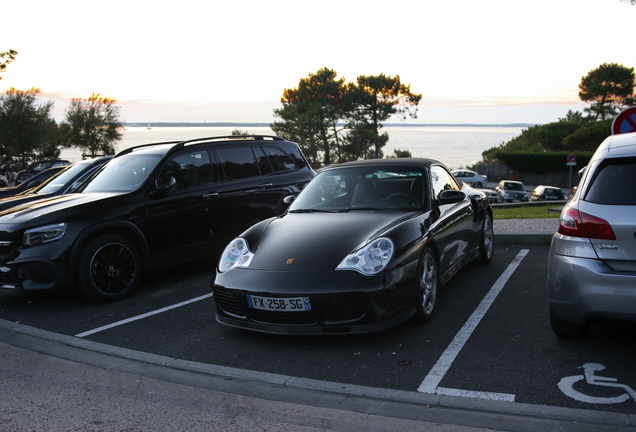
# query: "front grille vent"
[284,318]
[228,303]
[347,307]
[6,245]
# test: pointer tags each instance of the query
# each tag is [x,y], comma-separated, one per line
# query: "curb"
[375,401]
[540,238]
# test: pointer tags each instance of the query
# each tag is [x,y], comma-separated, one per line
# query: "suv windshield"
[60,180]
[123,174]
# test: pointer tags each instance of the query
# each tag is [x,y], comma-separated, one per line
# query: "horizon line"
[260,124]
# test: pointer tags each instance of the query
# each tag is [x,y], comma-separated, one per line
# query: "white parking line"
[138,317]
[435,376]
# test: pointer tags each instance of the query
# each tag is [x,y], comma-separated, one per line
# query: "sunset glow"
[493,61]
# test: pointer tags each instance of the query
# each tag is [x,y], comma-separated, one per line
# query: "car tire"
[109,268]
[479,185]
[427,284]
[487,242]
[566,329]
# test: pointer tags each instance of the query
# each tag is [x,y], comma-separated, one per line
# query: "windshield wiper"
[311,211]
[365,208]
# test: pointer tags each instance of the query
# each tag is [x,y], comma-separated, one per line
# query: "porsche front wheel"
[109,268]
[428,283]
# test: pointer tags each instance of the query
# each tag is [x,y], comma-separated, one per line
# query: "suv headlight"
[370,259]
[236,254]
[44,234]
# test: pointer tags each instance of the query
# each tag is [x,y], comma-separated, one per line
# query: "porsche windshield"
[363,188]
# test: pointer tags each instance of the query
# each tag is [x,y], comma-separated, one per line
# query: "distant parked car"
[30,183]
[67,180]
[491,194]
[592,259]
[37,167]
[547,193]
[471,177]
[511,191]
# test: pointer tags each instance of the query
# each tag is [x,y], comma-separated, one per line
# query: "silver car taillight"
[575,223]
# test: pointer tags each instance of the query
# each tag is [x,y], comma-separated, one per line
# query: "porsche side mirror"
[450,197]
[289,199]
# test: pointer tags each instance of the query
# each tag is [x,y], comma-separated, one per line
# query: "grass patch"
[526,211]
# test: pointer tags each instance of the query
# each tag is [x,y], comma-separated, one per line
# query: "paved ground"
[53,382]
[61,383]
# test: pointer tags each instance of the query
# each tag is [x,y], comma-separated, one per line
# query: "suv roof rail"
[236,138]
[130,149]
[180,144]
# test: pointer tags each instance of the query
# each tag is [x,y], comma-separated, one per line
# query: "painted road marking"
[138,317]
[435,376]
[567,386]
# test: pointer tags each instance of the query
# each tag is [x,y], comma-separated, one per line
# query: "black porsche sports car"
[364,247]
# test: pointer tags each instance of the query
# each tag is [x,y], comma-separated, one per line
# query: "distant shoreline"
[229,124]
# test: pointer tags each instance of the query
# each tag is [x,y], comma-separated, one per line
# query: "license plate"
[289,304]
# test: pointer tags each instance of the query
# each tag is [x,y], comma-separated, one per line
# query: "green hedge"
[541,162]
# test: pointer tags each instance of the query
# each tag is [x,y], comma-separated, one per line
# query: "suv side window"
[238,163]
[189,170]
[279,160]
[263,163]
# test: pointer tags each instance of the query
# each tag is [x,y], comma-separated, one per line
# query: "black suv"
[37,167]
[149,207]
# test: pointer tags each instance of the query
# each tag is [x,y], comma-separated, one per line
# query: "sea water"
[455,146]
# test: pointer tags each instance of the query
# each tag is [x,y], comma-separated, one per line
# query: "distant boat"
[148,126]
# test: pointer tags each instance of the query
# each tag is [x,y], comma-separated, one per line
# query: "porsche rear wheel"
[428,282]
[487,242]
[109,268]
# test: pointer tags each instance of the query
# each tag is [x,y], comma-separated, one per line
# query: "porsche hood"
[319,242]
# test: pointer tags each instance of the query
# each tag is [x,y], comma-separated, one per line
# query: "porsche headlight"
[236,254]
[370,259]
[44,234]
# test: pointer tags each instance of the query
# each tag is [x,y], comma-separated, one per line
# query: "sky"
[474,62]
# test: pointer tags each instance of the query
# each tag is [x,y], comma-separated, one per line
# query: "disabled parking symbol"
[567,386]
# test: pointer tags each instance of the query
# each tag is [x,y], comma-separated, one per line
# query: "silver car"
[471,178]
[592,261]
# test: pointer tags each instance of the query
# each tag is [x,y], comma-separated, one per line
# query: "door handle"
[211,195]
[265,185]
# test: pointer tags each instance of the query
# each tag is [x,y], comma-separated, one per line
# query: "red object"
[625,121]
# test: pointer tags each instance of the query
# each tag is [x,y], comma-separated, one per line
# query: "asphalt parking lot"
[489,340]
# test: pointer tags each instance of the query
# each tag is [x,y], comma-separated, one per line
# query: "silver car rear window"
[614,182]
